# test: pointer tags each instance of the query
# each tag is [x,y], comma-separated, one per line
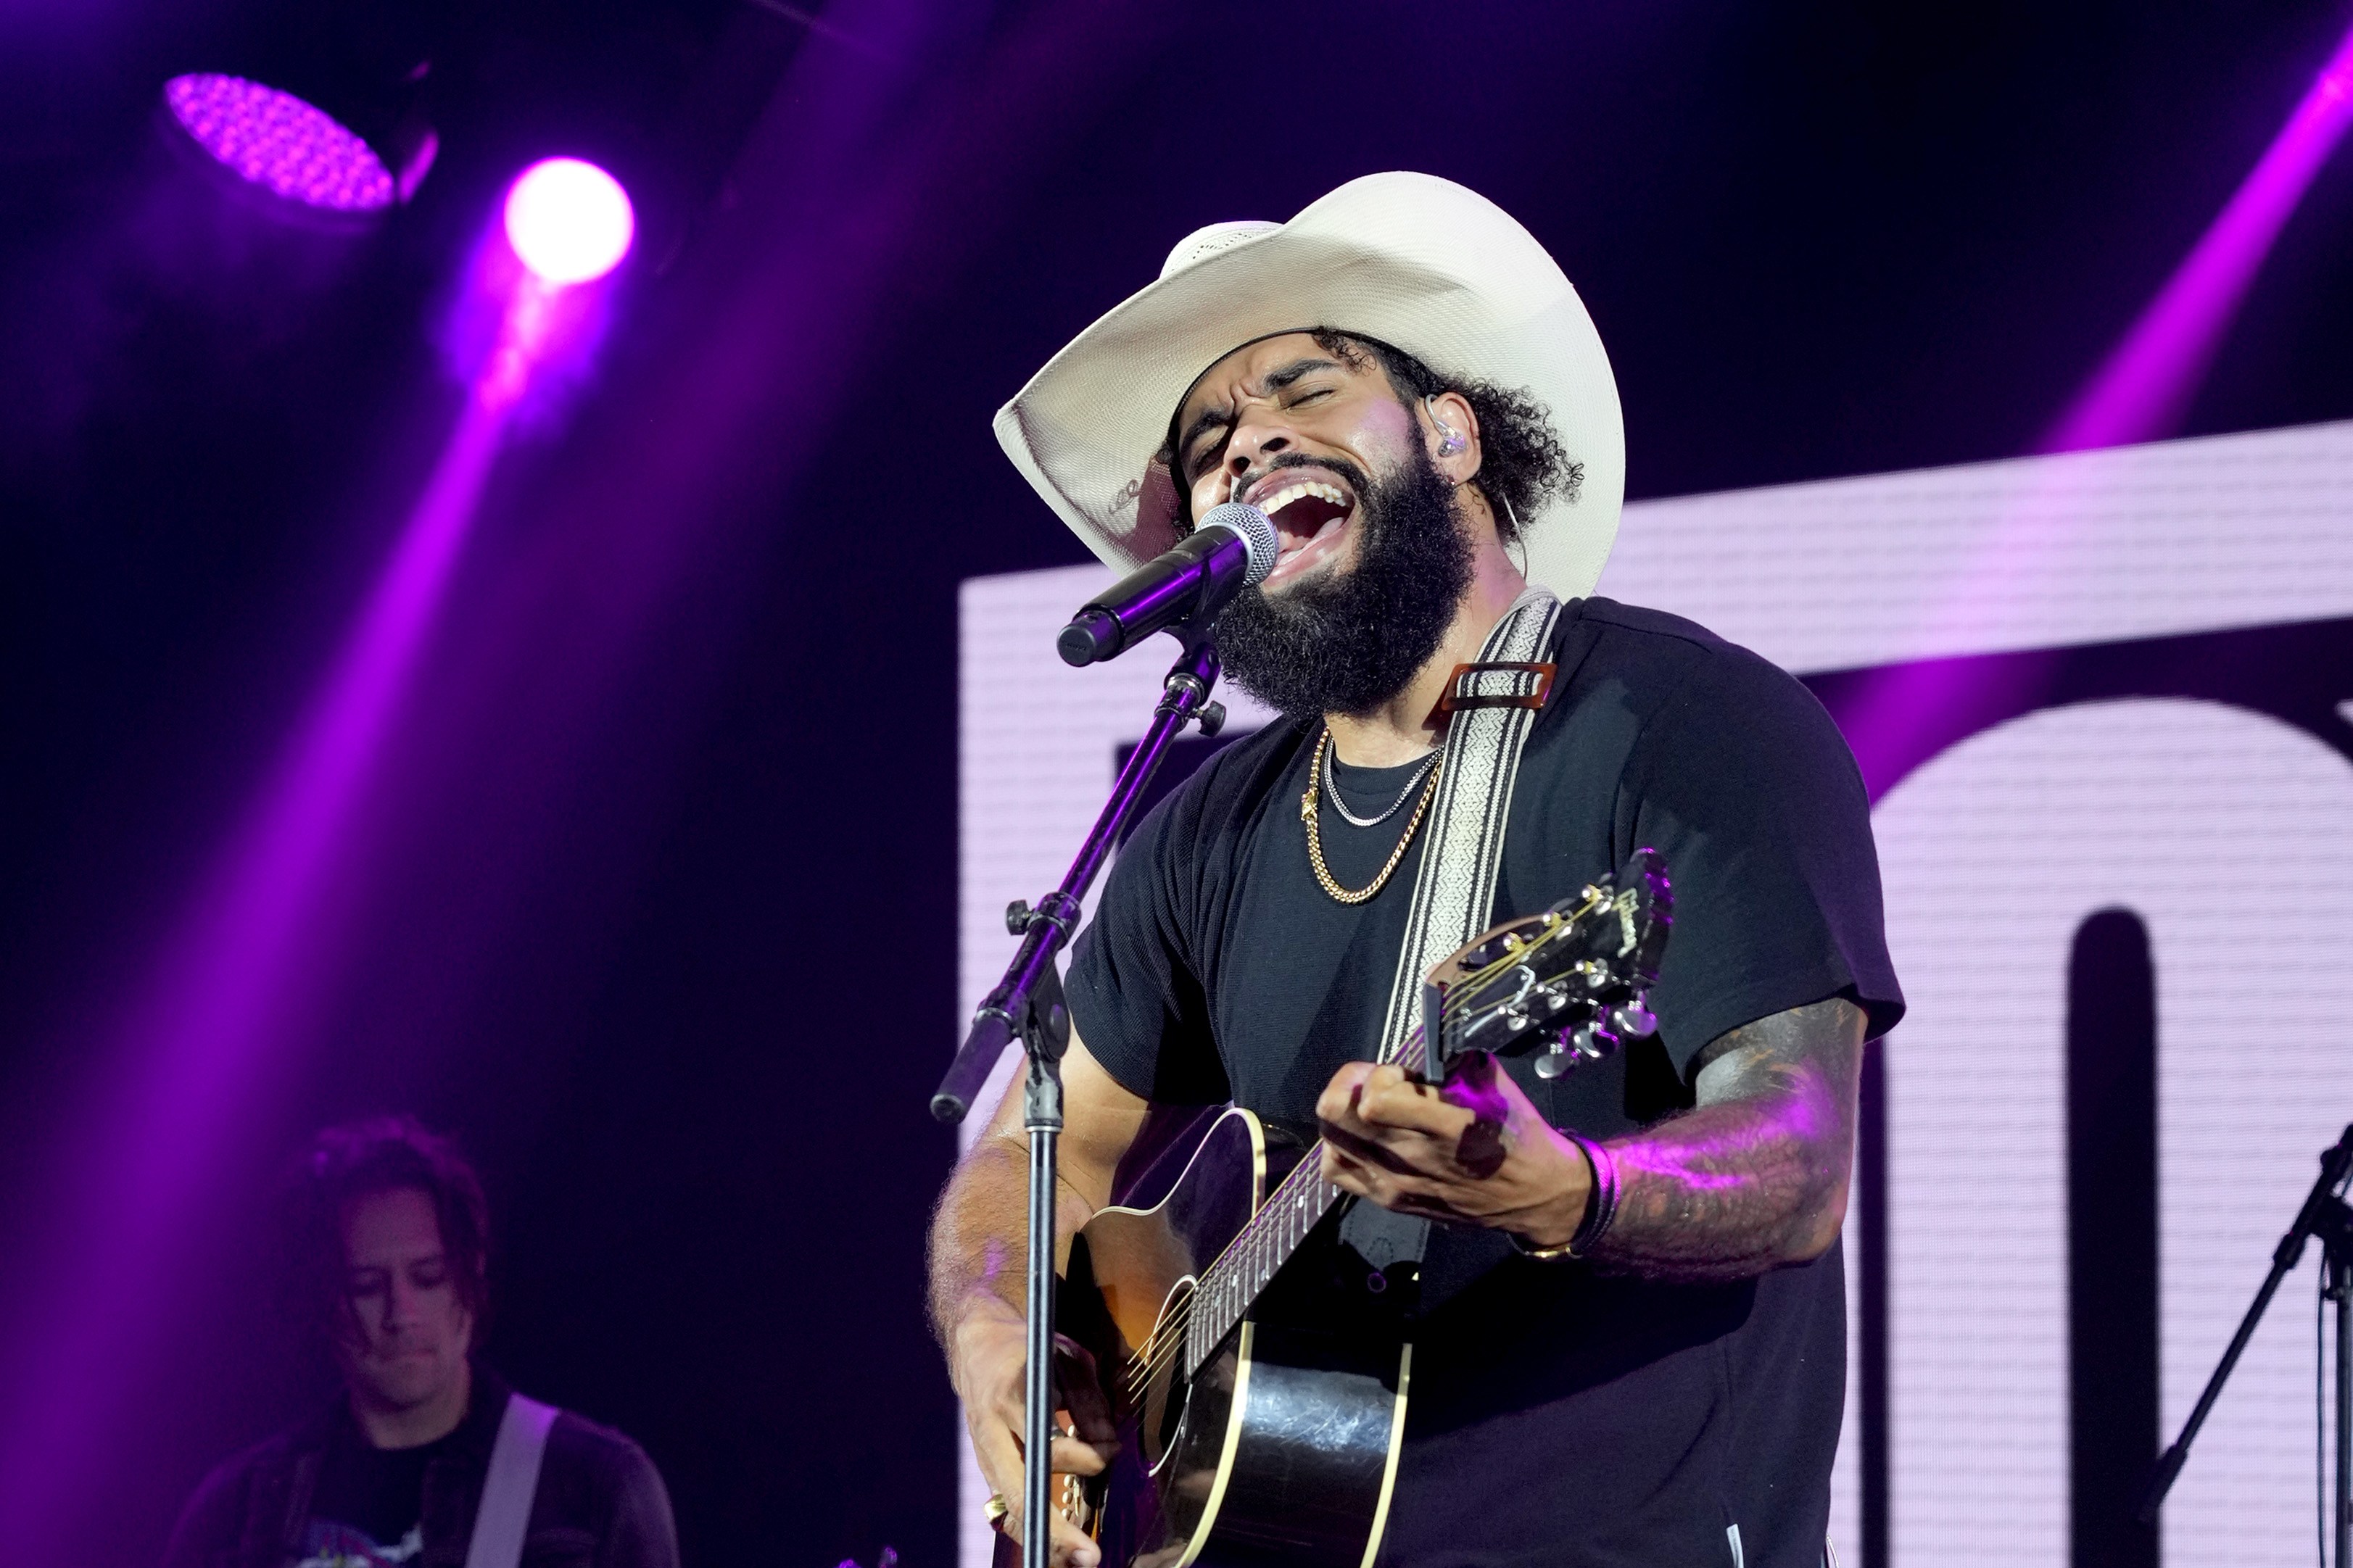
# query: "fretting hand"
[1473,1150]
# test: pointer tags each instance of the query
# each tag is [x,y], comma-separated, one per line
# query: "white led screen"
[2184,755]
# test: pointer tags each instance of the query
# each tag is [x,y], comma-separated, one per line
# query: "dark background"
[652,899]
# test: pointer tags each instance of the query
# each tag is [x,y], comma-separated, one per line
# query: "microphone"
[1234,548]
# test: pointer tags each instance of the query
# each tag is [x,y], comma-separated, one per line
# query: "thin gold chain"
[1307,813]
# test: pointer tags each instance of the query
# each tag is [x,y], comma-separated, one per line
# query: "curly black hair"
[1522,463]
[357,1159]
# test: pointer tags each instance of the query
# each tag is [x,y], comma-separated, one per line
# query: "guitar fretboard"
[1250,1262]
[1225,1289]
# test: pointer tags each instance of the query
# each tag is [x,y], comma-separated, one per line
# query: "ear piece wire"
[1449,439]
[1519,535]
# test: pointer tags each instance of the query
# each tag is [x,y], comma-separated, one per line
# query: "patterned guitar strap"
[1494,704]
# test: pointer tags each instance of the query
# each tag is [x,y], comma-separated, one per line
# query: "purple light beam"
[2138,394]
[190,1065]
[2142,391]
[191,1062]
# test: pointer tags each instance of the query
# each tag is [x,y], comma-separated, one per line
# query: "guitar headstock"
[1572,982]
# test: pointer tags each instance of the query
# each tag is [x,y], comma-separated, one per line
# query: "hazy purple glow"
[861,184]
[2138,396]
[2141,392]
[520,340]
[280,142]
[522,331]
[569,221]
[195,1059]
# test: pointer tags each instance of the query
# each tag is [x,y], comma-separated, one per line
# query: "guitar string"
[1141,1372]
[1170,1335]
[1214,1280]
[1158,1347]
[1271,1223]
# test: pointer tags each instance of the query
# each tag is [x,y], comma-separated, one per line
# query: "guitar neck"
[1258,1252]
[1521,963]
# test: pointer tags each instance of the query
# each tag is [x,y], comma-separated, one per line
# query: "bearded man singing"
[1629,1337]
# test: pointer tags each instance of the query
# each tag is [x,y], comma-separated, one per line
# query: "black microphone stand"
[1028,1005]
[2326,1215]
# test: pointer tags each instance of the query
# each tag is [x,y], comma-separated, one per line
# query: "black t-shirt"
[369,1504]
[1557,1416]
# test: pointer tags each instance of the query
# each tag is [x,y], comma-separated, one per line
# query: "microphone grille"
[1258,536]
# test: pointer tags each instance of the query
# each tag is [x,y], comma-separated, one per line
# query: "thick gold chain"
[1307,812]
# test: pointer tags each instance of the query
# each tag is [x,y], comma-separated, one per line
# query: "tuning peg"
[1634,1019]
[1555,1060]
[1592,1042]
[1017,921]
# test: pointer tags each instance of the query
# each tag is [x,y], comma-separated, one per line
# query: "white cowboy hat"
[1414,261]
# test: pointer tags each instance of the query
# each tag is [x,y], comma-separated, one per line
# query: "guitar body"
[1281,1448]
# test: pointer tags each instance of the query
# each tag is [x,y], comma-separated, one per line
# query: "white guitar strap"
[1495,704]
[510,1484]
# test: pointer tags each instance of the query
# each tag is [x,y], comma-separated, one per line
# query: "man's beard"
[1346,641]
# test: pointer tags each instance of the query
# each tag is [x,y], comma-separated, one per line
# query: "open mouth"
[1309,514]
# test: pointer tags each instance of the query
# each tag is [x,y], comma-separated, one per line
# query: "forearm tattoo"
[1756,1174]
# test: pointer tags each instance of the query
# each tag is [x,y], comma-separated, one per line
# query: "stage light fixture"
[568,221]
[274,140]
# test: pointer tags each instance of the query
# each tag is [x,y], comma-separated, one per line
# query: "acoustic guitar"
[1246,1438]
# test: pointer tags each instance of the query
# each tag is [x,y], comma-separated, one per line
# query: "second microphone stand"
[1028,1005]
[2324,1217]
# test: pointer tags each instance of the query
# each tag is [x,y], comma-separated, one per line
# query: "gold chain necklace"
[1316,837]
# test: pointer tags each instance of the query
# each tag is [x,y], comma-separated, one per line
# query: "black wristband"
[1600,1205]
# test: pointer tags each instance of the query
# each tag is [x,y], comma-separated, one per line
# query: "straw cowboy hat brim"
[1414,261]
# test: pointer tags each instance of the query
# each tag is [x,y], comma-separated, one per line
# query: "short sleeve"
[641,1532]
[1135,997]
[1743,784]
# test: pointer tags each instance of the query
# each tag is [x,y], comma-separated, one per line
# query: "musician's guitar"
[1244,1441]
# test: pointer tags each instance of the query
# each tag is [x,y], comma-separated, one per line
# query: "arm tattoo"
[1756,1174]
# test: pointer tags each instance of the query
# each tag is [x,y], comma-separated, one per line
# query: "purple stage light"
[569,221]
[2145,387]
[280,143]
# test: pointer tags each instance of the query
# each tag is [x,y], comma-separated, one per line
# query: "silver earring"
[1449,439]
